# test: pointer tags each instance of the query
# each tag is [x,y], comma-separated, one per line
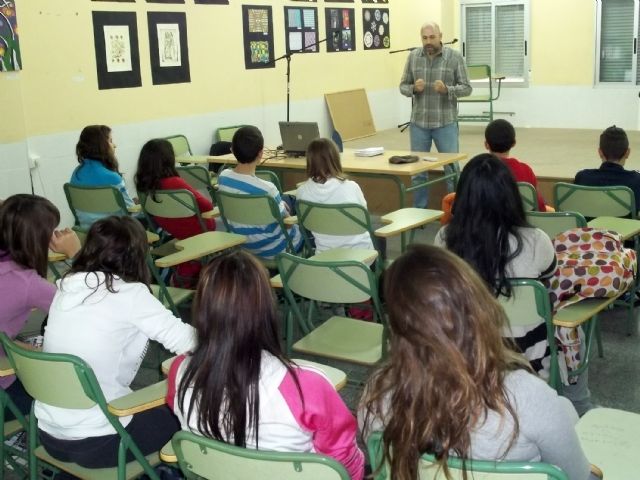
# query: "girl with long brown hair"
[451,386]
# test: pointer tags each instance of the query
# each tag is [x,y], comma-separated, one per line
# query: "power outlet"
[33,161]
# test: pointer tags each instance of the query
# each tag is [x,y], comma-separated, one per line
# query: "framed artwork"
[341,29]
[375,1]
[166,1]
[301,29]
[168,47]
[211,2]
[10,59]
[339,1]
[115,36]
[304,0]
[121,1]
[257,23]
[375,28]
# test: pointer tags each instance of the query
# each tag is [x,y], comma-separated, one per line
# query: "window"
[496,33]
[617,42]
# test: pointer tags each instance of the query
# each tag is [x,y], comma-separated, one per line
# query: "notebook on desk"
[296,136]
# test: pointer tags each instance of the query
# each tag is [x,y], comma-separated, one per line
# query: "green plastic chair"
[171,204]
[225,134]
[529,304]
[341,282]
[242,209]
[198,178]
[66,381]
[553,223]
[104,200]
[480,469]
[480,73]
[335,219]
[7,430]
[180,145]
[205,458]
[529,196]
[269,176]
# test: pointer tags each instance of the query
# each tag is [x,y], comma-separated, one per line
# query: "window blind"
[616,40]
[509,42]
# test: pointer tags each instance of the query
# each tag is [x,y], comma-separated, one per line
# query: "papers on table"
[369,152]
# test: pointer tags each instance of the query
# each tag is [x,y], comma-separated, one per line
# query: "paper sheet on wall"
[169,44]
[117,48]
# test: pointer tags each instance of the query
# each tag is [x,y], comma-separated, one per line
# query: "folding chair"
[205,458]
[180,145]
[66,381]
[479,469]
[480,73]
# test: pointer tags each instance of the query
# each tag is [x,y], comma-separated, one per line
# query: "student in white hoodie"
[328,185]
[104,312]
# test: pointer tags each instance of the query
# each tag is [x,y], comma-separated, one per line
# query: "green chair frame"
[242,209]
[105,200]
[205,458]
[67,381]
[529,196]
[225,134]
[180,145]
[199,178]
[340,282]
[8,429]
[497,469]
[171,204]
[554,223]
[529,304]
[335,219]
[480,73]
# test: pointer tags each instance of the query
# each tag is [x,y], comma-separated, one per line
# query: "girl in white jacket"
[104,312]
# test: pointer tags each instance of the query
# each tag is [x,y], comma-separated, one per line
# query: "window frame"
[508,81]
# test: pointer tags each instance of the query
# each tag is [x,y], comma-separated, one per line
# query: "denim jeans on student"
[446,140]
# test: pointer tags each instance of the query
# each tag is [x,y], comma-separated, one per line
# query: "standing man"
[434,76]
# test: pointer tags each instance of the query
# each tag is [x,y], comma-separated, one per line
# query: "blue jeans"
[446,140]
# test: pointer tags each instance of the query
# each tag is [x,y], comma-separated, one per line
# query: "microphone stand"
[288,56]
[404,126]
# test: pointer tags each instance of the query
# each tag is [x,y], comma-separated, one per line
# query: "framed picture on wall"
[257,24]
[115,36]
[375,1]
[166,1]
[10,59]
[211,2]
[301,28]
[168,47]
[341,29]
[375,28]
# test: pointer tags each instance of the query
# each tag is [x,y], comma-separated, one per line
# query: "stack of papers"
[369,152]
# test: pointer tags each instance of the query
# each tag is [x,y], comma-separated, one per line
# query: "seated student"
[257,398]
[98,166]
[613,151]
[328,185]
[451,387]
[157,171]
[27,231]
[104,312]
[266,241]
[489,230]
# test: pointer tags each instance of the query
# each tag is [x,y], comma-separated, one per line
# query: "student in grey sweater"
[451,386]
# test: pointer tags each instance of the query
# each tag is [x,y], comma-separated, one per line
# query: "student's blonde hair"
[323,161]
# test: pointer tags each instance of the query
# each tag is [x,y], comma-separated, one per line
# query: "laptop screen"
[296,136]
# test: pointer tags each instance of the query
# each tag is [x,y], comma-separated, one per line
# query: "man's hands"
[438,86]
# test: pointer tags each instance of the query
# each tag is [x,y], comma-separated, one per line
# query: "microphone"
[455,40]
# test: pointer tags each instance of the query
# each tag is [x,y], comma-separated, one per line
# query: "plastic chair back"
[201,457]
[529,196]
[247,209]
[480,469]
[225,134]
[197,177]
[106,200]
[613,201]
[180,145]
[269,176]
[337,219]
[553,223]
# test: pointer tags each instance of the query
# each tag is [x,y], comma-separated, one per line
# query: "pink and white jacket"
[323,425]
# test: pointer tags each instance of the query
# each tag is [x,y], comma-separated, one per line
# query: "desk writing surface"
[199,246]
[350,163]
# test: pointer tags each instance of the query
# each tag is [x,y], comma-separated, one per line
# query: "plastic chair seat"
[133,469]
[178,295]
[344,338]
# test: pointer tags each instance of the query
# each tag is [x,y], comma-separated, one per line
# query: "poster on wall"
[10,59]
[115,36]
[301,28]
[341,29]
[168,48]
[375,28]
[257,24]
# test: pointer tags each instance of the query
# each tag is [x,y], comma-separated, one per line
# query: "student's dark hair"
[116,247]
[94,144]
[27,223]
[487,211]
[614,143]
[247,143]
[323,161]
[234,315]
[446,365]
[500,136]
[156,161]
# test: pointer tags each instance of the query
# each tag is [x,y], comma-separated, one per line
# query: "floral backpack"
[592,263]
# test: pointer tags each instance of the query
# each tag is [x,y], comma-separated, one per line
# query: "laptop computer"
[296,136]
